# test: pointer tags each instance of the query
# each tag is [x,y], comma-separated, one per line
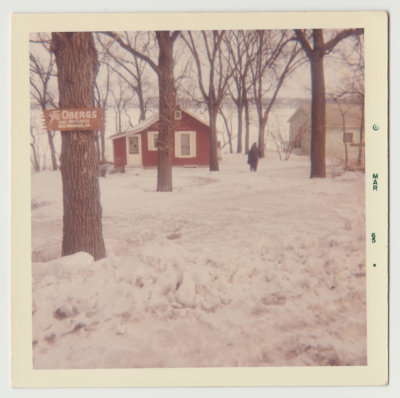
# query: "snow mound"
[237,269]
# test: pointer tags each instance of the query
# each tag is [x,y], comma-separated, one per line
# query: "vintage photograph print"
[216,217]
[198,198]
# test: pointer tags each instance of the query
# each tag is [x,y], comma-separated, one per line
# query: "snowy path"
[231,269]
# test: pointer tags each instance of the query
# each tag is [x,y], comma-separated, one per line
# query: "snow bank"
[231,269]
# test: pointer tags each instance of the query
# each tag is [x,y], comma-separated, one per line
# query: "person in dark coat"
[252,158]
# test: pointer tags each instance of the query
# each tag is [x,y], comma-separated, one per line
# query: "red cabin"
[190,143]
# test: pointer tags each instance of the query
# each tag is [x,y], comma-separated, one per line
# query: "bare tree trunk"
[240,128]
[35,160]
[228,130]
[77,65]
[316,55]
[52,150]
[167,100]
[97,144]
[103,146]
[41,94]
[118,120]
[214,166]
[217,83]
[318,168]
[247,126]
[142,105]
[261,137]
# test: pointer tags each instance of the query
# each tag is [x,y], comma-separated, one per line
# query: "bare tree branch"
[301,37]
[175,35]
[133,51]
[192,47]
[330,45]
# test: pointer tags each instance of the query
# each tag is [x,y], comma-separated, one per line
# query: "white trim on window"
[152,137]
[185,144]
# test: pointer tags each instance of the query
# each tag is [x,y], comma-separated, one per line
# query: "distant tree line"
[228,74]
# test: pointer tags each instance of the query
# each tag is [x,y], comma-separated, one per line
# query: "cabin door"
[134,150]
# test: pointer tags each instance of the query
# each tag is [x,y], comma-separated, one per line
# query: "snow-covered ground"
[233,268]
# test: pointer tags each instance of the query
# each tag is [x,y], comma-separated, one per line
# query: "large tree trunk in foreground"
[167,108]
[77,66]
[317,113]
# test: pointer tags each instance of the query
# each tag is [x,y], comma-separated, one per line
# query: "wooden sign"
[74,119]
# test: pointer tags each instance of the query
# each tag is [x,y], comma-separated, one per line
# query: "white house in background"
[343,124]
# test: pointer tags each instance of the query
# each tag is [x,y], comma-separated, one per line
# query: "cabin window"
[178,115]
[185,144]
[152,140]
[134,145]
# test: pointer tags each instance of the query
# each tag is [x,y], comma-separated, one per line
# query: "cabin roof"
[150,121]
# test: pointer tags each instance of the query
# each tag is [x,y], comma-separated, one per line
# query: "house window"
[185,144]
[134,145]
[178,115]
[348,137]
[152,137]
